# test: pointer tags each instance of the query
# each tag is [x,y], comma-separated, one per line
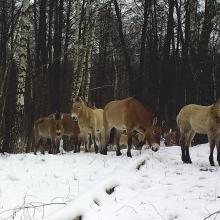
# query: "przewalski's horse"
[131,114]
[203,120]
[71,129]
[48,128]
[90,121]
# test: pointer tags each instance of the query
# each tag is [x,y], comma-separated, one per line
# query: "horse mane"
[143,101]
[148,105]
[215,109]
[88,104]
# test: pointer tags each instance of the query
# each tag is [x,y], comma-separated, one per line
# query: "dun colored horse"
[131,114]
[48,128]
[71,129]
[90,121]
[203,120]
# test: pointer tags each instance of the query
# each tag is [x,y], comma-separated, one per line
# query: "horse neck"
[84,115]
[147,120]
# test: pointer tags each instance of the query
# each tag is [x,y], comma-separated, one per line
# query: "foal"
[70,129]
[48,128]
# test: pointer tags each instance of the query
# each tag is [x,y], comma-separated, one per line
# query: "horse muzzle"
[58,133]
[155,147]
[74,117]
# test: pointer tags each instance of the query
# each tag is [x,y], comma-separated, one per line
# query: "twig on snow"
[214,213]
[26,207]
[127,206]
[155,209]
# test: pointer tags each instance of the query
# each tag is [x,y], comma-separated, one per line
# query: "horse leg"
[85,140]
[183,148]
[79,142]
[212,147]
[190,137]
[101,141]
[94,141]
[53,146]
[118,136]
[75,144]
[86,144]
[129,133]
[107,137]
[90,140]
[95,145]
[218,152]
[44,142]
[36,145]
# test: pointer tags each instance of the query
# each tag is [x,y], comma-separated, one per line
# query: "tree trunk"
[22,73]
[133,82]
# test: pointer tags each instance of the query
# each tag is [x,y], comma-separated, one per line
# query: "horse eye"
[78,106]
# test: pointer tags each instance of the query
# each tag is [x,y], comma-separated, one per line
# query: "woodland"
[51,51]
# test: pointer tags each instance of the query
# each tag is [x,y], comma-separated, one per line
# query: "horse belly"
[44,134]
[199,125]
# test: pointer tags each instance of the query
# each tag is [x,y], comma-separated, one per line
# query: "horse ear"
[155,121]
[77,99]
[73,100]
[61,116]
[163,123]
[57,115]
[80,99]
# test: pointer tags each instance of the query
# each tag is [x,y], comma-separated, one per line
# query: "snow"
[148,186]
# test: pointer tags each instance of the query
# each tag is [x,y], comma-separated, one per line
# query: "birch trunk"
[78,75]
[22,72]
[89,41]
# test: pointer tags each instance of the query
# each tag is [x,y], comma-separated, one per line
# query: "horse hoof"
[118,153]
[103,152]
[212,164]
[129,154]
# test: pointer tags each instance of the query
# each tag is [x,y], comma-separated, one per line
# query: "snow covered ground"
[147,186]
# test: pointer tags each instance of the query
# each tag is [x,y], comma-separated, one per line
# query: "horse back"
[195,117]
[128,112]
[44,127]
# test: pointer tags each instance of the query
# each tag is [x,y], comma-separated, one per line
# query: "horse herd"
[127,122]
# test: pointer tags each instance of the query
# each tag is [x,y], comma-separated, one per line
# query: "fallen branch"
[28,206]
[214,213]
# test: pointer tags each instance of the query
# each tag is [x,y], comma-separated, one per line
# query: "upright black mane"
[147,104]
[144,102]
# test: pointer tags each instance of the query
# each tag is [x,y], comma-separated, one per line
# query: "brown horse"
[90,121]
[203,120]
[48,128]
[71,129]
[131,114]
